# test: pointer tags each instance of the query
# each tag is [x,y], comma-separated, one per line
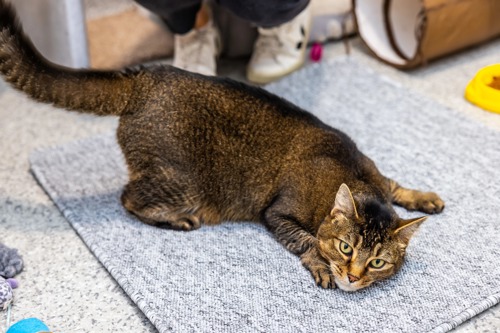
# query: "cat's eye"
[345,248]
[377,263]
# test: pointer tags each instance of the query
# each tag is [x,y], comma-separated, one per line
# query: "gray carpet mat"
[236,278]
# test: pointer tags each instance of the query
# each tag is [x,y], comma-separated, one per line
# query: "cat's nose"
[352,278]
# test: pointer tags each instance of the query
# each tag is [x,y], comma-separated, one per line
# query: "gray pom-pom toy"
[11,262]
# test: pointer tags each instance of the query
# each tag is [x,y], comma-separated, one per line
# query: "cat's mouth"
[345,285]
[342,280]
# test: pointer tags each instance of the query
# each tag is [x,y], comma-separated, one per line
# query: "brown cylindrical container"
[408,33]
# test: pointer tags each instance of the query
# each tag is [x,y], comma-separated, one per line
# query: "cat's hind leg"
[161,202]
[427,202]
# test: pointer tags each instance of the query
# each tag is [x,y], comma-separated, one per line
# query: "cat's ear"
[406,228]
[344,203]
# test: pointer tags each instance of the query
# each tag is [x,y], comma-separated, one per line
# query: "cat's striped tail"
[97,92]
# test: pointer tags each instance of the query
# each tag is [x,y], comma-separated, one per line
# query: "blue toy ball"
[30,325]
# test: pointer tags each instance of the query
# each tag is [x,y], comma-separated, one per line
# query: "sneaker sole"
[263,78]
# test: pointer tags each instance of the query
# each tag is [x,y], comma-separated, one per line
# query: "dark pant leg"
[179,15]
[265,13]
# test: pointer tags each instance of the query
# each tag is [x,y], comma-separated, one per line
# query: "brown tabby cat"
[201,150]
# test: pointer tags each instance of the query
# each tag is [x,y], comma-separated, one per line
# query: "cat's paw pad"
[187,223]
[181,222]
[430,203]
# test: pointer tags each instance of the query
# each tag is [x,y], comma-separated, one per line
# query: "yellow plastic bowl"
[479,91]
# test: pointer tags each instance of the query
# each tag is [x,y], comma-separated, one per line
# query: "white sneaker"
[197,50]
[280,50]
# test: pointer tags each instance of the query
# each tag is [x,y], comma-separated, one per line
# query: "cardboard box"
[408,33]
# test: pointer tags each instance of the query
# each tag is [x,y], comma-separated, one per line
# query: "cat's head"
[363,243]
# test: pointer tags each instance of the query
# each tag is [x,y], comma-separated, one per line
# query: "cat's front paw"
[430,203]
[323,278]
[319,268]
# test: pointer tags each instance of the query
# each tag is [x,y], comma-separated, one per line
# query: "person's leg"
[283,33]
[265,13]
[196,39]
[178,15]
